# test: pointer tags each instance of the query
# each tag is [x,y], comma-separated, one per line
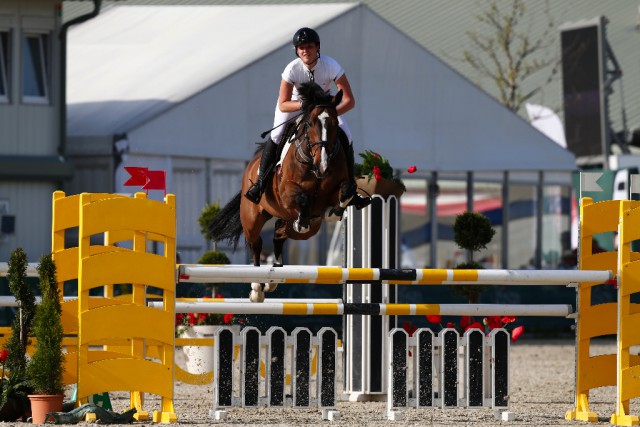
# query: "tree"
[509,56]
[47,364]
[472,231]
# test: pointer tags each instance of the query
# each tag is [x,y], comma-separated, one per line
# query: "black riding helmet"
[306,35]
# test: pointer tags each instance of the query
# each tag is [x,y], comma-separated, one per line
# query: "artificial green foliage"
[472,231]
[214,257]
[15,384]
[209,212]
[46,367]
[374,166]
[21,327]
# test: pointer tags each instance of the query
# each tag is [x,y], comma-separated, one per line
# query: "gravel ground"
[542,383]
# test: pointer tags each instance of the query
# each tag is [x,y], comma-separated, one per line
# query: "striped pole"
[199,273]
[319,309]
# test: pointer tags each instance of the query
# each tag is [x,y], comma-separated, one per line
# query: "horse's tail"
[226,226]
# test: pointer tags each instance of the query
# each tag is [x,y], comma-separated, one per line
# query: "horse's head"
[319,142]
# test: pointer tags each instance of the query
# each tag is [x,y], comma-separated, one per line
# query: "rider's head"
[306,35]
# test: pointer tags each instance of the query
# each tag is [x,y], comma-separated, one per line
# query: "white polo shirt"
[325,71]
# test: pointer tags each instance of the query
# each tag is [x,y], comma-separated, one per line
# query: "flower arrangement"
[374,166]
[184,321]
[487,324]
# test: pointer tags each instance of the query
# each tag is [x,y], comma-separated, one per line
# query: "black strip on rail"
[362,308]
[397,274]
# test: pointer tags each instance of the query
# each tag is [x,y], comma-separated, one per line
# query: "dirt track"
[541,392]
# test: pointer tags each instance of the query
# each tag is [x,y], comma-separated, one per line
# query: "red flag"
[138,175]
[157,180]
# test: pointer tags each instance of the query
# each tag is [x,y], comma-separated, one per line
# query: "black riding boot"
[266,166]
[358,201]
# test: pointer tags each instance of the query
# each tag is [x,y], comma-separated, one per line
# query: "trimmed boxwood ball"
[472,231]
[214,257]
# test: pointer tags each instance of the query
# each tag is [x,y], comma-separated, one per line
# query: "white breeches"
[280,117]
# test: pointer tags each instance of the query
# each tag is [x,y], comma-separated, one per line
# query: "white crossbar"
[297,308]
[199,273]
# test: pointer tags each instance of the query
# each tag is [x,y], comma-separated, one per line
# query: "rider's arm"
[285,103]
[348,101]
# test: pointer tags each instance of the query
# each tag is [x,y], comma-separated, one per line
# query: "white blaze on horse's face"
[324,158]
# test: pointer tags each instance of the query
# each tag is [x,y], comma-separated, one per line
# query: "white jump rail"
[337,309]
[200,273]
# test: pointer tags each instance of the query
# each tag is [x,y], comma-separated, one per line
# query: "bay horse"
[309,185]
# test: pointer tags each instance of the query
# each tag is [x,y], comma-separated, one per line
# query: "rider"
[308,66]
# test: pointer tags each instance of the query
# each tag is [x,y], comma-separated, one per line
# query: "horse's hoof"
[258,287]
[270,287]
[333,214]
[256,296]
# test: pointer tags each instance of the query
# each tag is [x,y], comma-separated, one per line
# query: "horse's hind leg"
[279,237]
[257,289]
[252,223]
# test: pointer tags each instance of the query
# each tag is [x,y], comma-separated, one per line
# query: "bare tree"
[507,55]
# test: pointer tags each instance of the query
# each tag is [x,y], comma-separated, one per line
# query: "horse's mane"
[312,95]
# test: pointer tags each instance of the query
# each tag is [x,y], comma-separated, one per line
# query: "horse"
[309,185]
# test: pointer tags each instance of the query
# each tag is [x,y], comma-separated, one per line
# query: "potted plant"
[47,364]
[13,357]
[375,176]
[472,231]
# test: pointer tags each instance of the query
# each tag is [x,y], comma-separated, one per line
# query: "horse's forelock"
[312,95]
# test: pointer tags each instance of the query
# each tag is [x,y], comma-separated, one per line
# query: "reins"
[263,134]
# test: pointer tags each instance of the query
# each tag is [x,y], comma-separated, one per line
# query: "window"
[35,68]
[4,66]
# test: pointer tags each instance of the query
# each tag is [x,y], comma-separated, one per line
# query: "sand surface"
[542,384]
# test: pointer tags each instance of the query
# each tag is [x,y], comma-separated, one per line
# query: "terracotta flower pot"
[41,404]
[384,187]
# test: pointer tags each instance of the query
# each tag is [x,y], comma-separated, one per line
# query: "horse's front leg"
[257,289]
[335,213]
[303,223]
[279,237]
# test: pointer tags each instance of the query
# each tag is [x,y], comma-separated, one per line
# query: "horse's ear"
[338,98]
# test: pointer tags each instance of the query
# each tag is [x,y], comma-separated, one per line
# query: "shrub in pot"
[47,364]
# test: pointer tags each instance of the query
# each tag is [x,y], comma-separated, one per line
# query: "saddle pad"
[285,150]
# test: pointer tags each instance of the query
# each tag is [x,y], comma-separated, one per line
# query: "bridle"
[311,146]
